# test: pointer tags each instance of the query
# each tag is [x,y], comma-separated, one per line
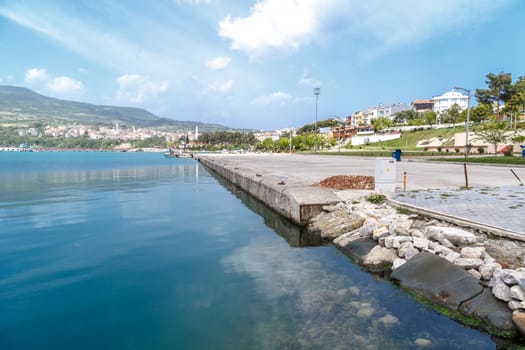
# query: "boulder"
[421,243]
[516,292]
[358,249]
[417,233]
[511,277]
[400,227]
[411,252]
[452,256]
[519,321]
[516,305]
[475,273]
[455,235]
[396,241]
[380,256]
[468,263]
[491,311]
[472,252]
[404,248]
[488,269]
[333,224]
[369,226]
[379,232]
[437,280]
[499,289]
[398,262]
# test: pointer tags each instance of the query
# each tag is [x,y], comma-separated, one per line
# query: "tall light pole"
[468,117]
[317,91]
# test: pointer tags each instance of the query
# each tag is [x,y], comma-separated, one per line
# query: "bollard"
[466,174]
[405,181]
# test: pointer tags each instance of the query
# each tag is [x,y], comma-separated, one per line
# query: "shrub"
[439,149]
[481,150]
[376,198]
[456,149]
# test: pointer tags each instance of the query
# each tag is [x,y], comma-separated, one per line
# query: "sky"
[255,63]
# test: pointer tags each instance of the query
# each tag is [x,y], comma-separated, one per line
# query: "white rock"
[488,259]
[379,232]
[475,273]
[398,262]
[388,242]
[365,311]
[432,245]
[411,252]
[400,227]
[455,235]
[511,277]
[516,292]
[398,240]
[499,289]
[442,250]
[472,252]
[354,290]
[467,263]
[452,256]
[516,305]
[380,255]
[446,243]
[403,249]
[421,243]
[368,227]
[488,269]
[417,233]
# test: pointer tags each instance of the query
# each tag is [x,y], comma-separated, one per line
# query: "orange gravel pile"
[348,182]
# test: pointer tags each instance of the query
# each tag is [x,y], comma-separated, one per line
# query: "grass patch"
[376,198]
[486,160]
[403,211]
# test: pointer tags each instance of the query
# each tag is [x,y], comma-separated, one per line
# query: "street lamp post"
[468,117]
[317,91]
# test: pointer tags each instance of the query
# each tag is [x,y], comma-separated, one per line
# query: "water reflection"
[296,236]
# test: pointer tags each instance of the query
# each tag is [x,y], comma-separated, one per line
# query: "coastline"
[335,218]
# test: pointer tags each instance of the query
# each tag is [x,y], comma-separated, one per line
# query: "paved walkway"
[502,207]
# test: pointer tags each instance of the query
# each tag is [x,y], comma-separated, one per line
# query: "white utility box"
[385,175]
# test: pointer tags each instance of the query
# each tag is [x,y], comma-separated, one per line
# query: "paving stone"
[488,309]
[437,280]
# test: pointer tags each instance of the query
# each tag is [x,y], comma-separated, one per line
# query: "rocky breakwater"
[471,276]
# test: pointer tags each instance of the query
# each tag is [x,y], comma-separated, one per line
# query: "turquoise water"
[134,251]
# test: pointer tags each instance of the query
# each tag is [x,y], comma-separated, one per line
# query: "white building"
[444,102]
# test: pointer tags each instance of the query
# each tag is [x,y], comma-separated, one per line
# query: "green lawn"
[485,160]
[409,140]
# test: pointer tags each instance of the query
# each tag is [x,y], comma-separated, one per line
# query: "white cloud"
[272,24]
[309,82]
[221,87]
[82,70]
[66,87]
[218,62]
[138,89]
[278,97]
[373,27]
[36,76]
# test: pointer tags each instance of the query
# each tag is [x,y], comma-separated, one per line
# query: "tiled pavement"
[503,207]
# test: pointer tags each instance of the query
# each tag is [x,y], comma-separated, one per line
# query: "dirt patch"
[347,182]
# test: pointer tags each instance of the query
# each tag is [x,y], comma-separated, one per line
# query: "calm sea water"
[134,251]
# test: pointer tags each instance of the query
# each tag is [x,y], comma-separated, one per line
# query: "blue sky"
[254,64]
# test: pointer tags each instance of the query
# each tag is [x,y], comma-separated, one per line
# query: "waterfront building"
[443,102]
[422,105]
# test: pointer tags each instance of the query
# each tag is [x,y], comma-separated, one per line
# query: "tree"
[381,124]
[516,103]
[493,133]
[480,113]
[404,117]
[429,117]
[499,90]
[452,114]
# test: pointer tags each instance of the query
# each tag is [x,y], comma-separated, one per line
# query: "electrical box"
[385,175]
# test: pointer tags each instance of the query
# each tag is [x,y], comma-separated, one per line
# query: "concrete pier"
[293,199]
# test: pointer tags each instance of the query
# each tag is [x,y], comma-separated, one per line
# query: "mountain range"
[21,106]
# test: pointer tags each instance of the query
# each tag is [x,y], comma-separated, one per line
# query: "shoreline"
[341,222]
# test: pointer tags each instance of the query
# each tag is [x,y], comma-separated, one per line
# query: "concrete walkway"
[495,198]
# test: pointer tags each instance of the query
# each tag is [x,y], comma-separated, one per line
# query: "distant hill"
[22,106]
